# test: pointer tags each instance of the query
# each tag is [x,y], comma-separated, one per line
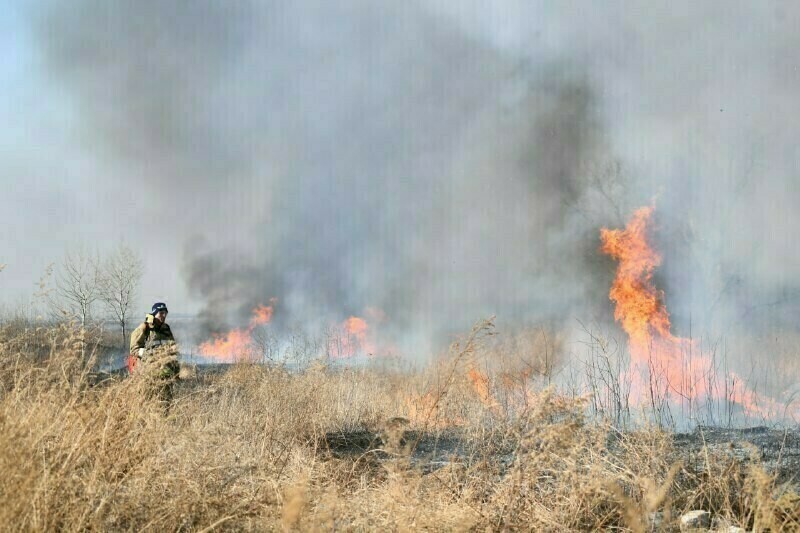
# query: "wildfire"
[659,359]
[237,344]
[639,307]
[262,315]
[423,410]
[356,328]
[480,384]
[354,338]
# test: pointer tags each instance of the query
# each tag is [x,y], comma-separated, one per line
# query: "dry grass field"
[260,448]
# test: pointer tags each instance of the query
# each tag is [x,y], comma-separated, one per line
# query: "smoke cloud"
[445,163]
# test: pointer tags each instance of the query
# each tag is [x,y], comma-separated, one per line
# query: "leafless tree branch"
[118,283]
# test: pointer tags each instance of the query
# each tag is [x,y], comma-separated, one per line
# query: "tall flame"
[639,309]
[658,358]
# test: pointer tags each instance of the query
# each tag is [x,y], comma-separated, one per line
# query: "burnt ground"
[777,450]
[427,451]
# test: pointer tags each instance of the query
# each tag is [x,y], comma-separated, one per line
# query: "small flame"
[423,410]
[357,327]
[237,344]
[480,384]
[354,338]
[262,315]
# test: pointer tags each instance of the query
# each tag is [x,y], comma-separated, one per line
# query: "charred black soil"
[777,450]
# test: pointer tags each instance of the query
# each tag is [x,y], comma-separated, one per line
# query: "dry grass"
[245,450]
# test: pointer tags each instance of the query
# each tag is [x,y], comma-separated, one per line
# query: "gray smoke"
[443,164]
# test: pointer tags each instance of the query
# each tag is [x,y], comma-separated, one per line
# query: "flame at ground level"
[238,344]
[356,337]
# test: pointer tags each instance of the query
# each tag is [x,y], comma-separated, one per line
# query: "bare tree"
[77,287]
[76,291]
[119,280]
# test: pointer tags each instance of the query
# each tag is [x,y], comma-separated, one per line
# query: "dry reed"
[249,450]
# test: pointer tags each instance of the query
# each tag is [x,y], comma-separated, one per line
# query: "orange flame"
[357,327]
[480,384]
[354,338]
[423,410]
[658,356]
[237,344]
[262,315]
[639,307]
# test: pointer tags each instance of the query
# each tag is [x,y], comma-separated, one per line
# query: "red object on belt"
[132,360]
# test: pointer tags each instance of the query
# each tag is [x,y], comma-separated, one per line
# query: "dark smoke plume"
[344,156]
[413,158]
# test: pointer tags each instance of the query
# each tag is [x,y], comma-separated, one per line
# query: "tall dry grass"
[249,450]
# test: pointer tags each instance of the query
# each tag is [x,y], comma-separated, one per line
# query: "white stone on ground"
[697,520]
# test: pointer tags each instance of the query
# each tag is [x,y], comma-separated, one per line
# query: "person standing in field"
[153,349]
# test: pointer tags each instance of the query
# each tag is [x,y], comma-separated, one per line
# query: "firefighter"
[153,347]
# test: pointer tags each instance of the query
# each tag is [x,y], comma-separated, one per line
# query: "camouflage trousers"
[159,370]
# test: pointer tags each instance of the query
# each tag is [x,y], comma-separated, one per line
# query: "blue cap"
[159,306]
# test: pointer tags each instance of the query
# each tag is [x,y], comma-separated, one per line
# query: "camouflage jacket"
[149,335]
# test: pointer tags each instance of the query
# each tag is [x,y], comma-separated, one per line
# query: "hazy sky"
[438,160]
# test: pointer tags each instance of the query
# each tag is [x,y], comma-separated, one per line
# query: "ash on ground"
[428,451]
[777,450]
